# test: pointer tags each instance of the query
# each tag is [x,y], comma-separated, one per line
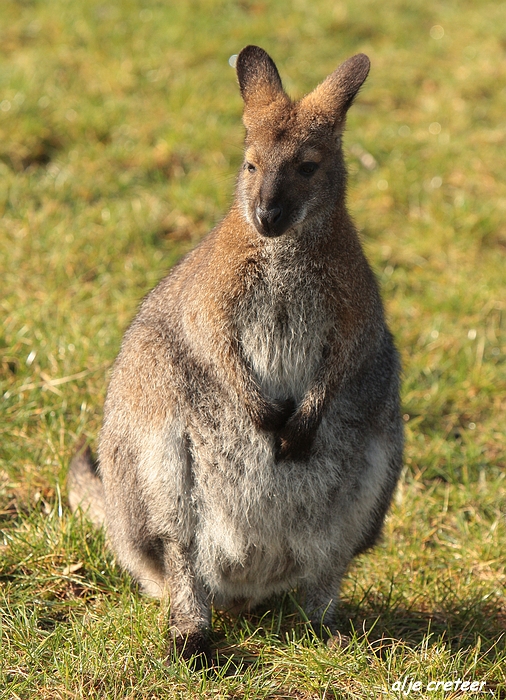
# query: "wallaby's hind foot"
[192,647]
[85,490]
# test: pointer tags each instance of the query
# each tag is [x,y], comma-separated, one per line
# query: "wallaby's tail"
[84,485]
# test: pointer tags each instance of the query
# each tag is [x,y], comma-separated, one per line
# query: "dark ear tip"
[249,53]
[251,50]
[362,58]
[361,63]
[254,67]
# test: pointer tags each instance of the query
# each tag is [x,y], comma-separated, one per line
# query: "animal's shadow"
[375,622]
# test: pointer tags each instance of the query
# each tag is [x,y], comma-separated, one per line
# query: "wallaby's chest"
[282,330]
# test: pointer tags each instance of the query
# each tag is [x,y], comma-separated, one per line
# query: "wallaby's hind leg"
[148,486]
[164,569]
[190,614]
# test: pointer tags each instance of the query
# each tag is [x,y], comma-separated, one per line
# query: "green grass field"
[120,135]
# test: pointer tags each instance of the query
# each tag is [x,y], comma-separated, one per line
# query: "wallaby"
[252,436]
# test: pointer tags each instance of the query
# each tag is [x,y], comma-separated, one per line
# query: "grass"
[120,135]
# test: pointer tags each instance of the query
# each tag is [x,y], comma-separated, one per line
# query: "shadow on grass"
[459,625]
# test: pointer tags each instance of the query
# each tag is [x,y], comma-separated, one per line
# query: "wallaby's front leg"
[341,359]
[190,615]
[266,414]
[295,439]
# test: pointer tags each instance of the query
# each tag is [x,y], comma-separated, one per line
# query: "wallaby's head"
[293,169]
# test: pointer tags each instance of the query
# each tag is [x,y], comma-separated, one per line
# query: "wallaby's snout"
[280,187]
[266,195]
[267,219]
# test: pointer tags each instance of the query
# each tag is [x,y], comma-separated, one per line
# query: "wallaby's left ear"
[335,95]
[258,77]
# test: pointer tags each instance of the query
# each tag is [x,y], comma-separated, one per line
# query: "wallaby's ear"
[335,95]
[258,77]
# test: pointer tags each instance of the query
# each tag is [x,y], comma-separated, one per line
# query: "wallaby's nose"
[268,218]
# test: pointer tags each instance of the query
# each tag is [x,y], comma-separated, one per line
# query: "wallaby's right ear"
[258,77]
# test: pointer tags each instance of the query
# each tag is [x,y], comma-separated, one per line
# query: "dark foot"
[193,647]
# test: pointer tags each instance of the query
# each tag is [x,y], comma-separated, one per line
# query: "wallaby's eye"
[249,167]
[308,169]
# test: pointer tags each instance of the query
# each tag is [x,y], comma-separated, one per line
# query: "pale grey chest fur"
[282,330]
[268,526]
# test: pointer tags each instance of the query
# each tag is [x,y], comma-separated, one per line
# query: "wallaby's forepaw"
[193,647]
[274,414]
[294,442]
